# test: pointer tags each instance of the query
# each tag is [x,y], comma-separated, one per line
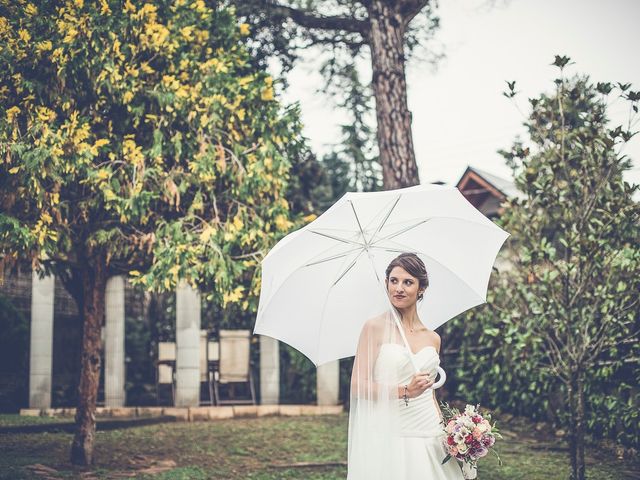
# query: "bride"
[395,429]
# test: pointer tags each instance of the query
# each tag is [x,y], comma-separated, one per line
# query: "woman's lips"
[399,297]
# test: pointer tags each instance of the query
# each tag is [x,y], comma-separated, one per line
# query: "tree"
[354,165]
[139,140]
[387,29]
[575,233]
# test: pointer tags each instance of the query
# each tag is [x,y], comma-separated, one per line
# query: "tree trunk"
[580,428]
[577,427]
[94,279]
[395,142]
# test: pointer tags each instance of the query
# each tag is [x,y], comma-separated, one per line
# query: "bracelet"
[405,396]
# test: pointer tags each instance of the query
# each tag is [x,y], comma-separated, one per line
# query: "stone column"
[269,371]
[187,346]
[41,348]
[328,383]
[114,373]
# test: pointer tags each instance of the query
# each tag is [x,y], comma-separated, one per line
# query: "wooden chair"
[166,368]
[234,367]
[213,360]
[206,376]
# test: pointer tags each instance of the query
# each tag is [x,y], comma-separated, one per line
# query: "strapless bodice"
[394,366]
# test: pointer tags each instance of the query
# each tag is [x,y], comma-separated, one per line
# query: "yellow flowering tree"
[137,137]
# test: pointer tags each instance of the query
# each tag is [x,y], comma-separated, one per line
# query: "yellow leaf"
[24,35]
[206,234]
[174,271]
[109,195]
[134,273]
[104,8]
[11,113]
[103,174]
[267,94]
[282,223]
[244,29]
[14,170]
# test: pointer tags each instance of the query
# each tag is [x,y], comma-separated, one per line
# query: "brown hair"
[414,267]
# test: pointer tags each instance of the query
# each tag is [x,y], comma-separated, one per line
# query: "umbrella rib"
[333,257]
[400,232]
[384,220]
[358,220]
[339,239]
[351,265]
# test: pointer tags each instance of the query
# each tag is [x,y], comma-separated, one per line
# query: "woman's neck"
[409,316]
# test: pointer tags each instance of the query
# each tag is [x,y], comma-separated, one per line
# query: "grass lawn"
[260,449]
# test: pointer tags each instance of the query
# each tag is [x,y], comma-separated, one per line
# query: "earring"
[420,295]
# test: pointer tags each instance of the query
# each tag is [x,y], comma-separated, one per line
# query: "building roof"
[486,191]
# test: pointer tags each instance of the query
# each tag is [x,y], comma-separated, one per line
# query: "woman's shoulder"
[435,338]
[377,322]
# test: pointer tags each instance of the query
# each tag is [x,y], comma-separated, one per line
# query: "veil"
[376,449]
[374,404]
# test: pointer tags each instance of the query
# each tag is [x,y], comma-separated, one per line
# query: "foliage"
[141,133]
[562,315]
[282,30]
[354,165]
[345,33]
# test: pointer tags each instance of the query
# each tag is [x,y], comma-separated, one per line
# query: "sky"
[460,117]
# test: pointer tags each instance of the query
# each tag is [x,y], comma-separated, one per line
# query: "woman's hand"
[418,384]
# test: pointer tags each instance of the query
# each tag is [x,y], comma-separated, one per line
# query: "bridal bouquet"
[469,436]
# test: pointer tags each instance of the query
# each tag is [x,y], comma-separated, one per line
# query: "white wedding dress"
[387,438]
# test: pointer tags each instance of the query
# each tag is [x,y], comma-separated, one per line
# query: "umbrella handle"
[443,378]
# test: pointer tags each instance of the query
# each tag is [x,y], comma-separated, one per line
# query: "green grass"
[264,449]
[14,420]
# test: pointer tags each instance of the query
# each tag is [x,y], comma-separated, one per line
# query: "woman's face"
[403,288]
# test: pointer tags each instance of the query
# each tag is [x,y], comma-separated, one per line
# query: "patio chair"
[234,367]
[206,375]
[165,369]
[213,360]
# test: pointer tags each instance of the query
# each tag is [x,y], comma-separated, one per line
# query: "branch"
[409,9]
[308,19]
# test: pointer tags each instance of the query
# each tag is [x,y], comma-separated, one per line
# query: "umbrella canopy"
[322,282]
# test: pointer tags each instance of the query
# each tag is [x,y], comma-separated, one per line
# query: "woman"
[395,429]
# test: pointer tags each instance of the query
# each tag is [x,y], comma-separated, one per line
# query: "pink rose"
[477,434]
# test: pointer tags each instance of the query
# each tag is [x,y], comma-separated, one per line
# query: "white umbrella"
[323,281]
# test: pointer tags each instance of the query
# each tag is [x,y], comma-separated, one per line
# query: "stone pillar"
[269,371]
[187,346]
[114,373]
[328,383]
[41,347]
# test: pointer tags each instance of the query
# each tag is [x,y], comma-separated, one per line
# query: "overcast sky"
[460,117]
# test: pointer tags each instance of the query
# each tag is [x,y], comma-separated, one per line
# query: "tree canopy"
[138,138]
[143,133]
[560,333]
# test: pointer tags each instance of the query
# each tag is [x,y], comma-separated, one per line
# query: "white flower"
[470,410]
[459,437]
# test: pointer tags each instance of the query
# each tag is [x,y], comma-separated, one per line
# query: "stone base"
[190,414]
